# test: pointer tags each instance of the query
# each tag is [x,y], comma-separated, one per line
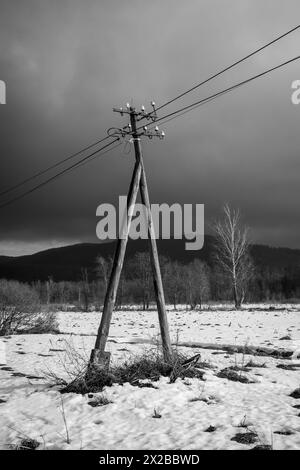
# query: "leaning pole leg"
[99,357]
[158,286]
[157,280]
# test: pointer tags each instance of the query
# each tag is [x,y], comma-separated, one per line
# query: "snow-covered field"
[29,407]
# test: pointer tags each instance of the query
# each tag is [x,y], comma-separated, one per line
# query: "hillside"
[65,263]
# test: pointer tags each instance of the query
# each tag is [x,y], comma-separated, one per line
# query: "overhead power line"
[198,103]
[169,117]
[75,165]
[243,59]
[51,167]
[97,156]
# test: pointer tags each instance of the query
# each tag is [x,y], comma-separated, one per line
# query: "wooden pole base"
[100,359]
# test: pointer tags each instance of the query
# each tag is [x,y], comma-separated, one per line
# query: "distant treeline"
[192,284]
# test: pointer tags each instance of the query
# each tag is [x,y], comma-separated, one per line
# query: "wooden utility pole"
[99,357]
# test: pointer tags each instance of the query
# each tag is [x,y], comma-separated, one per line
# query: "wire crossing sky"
[165,119]
[66,65]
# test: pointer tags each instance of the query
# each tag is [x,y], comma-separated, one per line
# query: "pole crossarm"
[128,130]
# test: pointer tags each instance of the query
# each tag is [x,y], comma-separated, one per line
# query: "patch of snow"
[29,407]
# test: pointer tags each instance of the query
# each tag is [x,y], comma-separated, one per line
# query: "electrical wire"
[226,69]
[166,118]
[75,165]
[196,104]
[52,167]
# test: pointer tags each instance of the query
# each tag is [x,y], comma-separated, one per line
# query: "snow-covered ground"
[29,407]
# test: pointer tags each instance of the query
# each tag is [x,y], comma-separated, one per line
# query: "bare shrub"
[26,444]
[20,310]
[43,323]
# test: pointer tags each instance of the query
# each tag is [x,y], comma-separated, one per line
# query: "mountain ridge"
[65,263]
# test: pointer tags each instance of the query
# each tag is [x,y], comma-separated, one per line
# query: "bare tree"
[232,252]
[49,289]
[174,280]
[196,282]
[103,269]
[85,289]
[141,266]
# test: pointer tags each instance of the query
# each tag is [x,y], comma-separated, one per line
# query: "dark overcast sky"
[66,63]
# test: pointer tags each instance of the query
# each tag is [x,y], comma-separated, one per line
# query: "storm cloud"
[67,63]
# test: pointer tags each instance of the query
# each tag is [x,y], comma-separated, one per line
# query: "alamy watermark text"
[175,221]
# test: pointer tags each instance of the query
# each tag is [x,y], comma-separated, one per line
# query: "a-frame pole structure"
[99,357]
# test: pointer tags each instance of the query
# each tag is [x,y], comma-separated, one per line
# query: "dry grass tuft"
[230,373]
[149,366]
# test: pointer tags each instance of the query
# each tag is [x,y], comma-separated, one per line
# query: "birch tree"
[232,252]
